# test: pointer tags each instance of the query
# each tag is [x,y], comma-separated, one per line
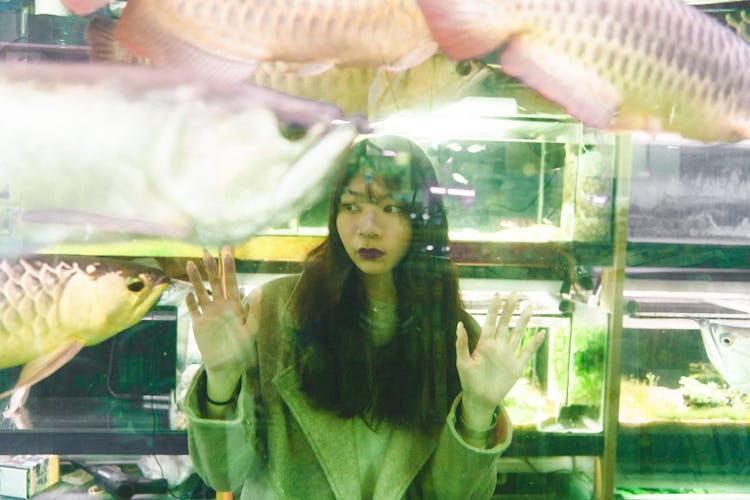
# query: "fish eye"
[135,284]
[463,68]
[726,339]
[292,131]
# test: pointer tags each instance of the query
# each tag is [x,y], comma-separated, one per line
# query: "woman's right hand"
[223,329]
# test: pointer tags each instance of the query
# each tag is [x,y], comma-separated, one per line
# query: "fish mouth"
[370,253]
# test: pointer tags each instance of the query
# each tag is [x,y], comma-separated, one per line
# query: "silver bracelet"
[478,434]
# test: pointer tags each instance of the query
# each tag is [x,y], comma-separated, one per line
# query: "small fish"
[96,151]
[653,65]
[53,306]
[728,348]
[229,37]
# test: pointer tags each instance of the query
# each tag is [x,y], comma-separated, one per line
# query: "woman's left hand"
[494,366]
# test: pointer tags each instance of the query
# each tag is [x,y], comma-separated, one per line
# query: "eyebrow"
[362,196]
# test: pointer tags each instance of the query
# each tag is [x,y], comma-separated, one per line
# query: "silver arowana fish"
[229,37]
[653,65]
[728,348]
[51,307]
[93,150]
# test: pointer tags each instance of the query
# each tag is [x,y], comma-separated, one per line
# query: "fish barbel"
[95,150]
[653,65]
[52,306]
[229,37]
[728,348]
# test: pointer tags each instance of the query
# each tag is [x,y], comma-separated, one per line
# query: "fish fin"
[41,368]
[103,223]
[17,400]
[83,7]
[413,58]
[463,30]
[146,39]
[312,69]
[104,46]
[583,94]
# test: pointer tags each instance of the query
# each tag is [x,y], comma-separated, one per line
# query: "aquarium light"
[460,192]
[481,106]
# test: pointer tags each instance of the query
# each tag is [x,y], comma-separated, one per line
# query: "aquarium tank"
[631,248]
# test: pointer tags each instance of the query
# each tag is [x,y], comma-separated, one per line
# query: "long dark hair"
[411,380]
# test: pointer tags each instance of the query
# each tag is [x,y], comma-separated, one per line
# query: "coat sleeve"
[459,469]
[224,452]
[462,471]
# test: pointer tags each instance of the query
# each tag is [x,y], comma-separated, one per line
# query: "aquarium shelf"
[687,255]
[91,425]
[92,443]
[698,448]
[548,444]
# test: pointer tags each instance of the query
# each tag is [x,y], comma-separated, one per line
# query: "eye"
[726,339]
[292,131]
[349,207]
[135,284]
[393,209]
[464,68]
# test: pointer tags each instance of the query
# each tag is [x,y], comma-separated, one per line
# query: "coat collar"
[332,440]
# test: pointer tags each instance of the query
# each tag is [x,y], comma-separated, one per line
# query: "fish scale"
[653,65]
[27,294]
[230,36]
[47,301]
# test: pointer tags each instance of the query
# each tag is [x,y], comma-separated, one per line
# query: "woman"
[362,377]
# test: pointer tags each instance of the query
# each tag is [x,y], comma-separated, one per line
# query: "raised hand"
[489,372]
[223,329]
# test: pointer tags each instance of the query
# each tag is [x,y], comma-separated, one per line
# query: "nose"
[369,225]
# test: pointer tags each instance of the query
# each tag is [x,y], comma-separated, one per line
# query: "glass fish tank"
[632,249]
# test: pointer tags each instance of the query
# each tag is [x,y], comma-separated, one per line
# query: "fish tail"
[104,45]
[463,30]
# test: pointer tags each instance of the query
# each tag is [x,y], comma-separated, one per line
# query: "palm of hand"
[221,325]
[489,372]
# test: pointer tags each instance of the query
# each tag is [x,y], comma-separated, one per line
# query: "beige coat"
[311,452]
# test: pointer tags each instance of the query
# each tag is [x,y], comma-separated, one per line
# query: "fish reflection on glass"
[92,150]
[53,306]
[653,65]
[365,90]
[229,37]
[728,348]
[374,92]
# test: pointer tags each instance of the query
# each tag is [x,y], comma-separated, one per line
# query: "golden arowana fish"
[51,307]
[366,90]
[229,37]
[99,151]
[654,65]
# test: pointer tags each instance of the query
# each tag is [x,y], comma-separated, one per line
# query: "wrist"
[477,436]
[221,386]
[477,415]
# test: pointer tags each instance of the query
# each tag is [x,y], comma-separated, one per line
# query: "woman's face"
[374,228]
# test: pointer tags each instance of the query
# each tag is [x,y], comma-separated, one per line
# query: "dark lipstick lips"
[370,253]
